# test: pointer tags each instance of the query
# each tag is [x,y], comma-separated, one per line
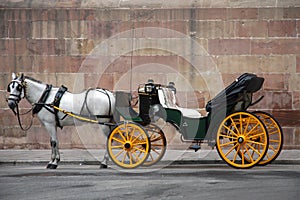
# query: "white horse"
[98,103]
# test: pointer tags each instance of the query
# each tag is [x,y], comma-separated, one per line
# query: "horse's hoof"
[103,166]
[51,166]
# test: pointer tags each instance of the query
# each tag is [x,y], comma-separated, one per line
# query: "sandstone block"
[294,82]
[229,46]
[242,13]
[275,82]
[251,29]
[292,12]
[283,28]
[270,13]
[275,46]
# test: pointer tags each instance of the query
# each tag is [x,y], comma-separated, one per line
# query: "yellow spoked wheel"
[275,137]
[128,145]
[158,144]
[237,137]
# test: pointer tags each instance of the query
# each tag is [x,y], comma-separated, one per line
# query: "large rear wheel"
[128,145]
[242,140]
[275,137]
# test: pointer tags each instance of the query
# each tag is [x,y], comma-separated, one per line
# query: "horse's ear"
[22,77]
[13,76]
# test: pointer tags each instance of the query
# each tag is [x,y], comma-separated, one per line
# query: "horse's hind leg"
[104,162]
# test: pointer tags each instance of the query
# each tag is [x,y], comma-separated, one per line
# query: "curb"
[163,163]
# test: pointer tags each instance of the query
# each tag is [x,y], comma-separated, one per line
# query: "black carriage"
[243,139]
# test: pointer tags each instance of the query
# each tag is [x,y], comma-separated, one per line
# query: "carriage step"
[195,147]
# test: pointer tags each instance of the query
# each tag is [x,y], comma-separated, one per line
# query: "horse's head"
[16,89]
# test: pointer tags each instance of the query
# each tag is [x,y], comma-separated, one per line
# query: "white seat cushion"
[168,100]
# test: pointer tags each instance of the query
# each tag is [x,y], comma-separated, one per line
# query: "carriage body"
[228,125]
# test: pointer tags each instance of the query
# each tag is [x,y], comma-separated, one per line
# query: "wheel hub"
[241,139]
[127,146]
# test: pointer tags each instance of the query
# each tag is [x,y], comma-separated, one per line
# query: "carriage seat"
[168,100]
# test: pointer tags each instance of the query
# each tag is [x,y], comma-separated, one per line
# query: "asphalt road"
[176,182]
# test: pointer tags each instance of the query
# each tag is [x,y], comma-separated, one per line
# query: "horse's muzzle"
[12,105]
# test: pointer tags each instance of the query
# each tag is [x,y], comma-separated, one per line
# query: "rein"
[19,119]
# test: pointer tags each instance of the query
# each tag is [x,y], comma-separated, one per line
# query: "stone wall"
[200,45]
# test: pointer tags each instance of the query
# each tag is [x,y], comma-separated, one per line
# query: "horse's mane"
[32,79]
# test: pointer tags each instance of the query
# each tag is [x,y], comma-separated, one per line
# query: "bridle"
[21,88]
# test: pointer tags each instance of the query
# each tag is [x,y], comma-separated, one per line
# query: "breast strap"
[61,91]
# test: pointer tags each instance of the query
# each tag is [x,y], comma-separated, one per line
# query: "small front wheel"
[242,140]
[128,145]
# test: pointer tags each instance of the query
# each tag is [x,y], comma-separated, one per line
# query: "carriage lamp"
[149,86]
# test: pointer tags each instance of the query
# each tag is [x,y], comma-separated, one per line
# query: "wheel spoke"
[137,137]
[231,149]
[234,126]
[274,141]
[136,156]
[132,133]
[118,140]
[226,127]
[272,148]
[121,134]
[248,121]
[138,149]
[155,151]
[228,143]
[267,155]
[241,123]
[156,139]
[124,158]
[252,129]
[228,136]
[119,153]
[258,143]
[254,150]
[117,147]
[140,142]
[236,153]
[130,158]
[247,151]
[243,156]
[151,157]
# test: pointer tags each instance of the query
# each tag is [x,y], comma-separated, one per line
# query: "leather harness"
[61,91]
[56,102]
[41,102]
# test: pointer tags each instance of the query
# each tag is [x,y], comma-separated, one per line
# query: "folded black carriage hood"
[246,83]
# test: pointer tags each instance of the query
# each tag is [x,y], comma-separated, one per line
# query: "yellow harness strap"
[75,116]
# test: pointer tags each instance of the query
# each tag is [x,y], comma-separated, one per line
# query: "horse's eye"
[19,88]
[8,88]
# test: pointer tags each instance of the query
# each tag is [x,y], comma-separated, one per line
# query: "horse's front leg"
[55,155]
